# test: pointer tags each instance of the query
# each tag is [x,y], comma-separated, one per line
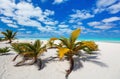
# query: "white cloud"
[28,10]
[81,27]
[59,1]
[6,20]
[101,25]
[81,15]
[7,7]
[48,12]
[112,19]
[62,26]
[98,10]
[12,25]
[79,23]
[105,3]
[111,6]
[25,14]
[114,8]
[71,21]
[50,22]
[86,30]
[94,23]
[65,31]
[46,29]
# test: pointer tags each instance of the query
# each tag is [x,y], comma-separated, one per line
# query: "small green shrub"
[4,50]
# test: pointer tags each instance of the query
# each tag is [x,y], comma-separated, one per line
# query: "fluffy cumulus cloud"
[63,26]
[78,14]
[24,14]
[106,23]
[12,25]
[112,6]
[6,20]
[94,23]
[104,3]
[101,25]
[111,19]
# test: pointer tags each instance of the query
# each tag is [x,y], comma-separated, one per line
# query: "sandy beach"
[104,65]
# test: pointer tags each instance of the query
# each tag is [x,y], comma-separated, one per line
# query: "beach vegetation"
[4,50]
[30,51]
[71,47]
[9,35]
[19,48]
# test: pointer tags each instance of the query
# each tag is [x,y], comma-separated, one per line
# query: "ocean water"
[101,39]
[117,40]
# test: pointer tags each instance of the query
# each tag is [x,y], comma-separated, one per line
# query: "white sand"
[105,66]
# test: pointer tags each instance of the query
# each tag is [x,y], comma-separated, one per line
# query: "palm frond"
[19,47]
[5,34]
[90,44]
[37,44]
[4,50]
[74,35]
[65,42]
[62,52]
[9,35]
[14,34]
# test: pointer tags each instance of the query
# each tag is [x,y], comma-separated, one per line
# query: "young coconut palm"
[9,35]
[20,48]
[30,51]
[36,49]
[70,48]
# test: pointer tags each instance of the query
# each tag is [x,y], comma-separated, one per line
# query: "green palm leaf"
[9,35]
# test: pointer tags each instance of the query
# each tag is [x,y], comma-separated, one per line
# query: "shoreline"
[43,39]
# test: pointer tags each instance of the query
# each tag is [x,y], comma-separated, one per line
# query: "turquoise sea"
[117,40]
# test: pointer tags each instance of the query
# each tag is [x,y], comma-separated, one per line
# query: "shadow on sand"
[93,58]
[1,54]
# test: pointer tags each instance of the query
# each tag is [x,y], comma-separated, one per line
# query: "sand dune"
[104,65]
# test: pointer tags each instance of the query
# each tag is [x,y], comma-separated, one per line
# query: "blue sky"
[54,18]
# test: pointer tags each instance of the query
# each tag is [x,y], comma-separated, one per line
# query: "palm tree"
[36,49]
[70,48]
[31,51]
[9,35]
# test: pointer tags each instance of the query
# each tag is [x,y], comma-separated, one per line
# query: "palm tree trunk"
[15,57]
[71,67]
[10,41]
